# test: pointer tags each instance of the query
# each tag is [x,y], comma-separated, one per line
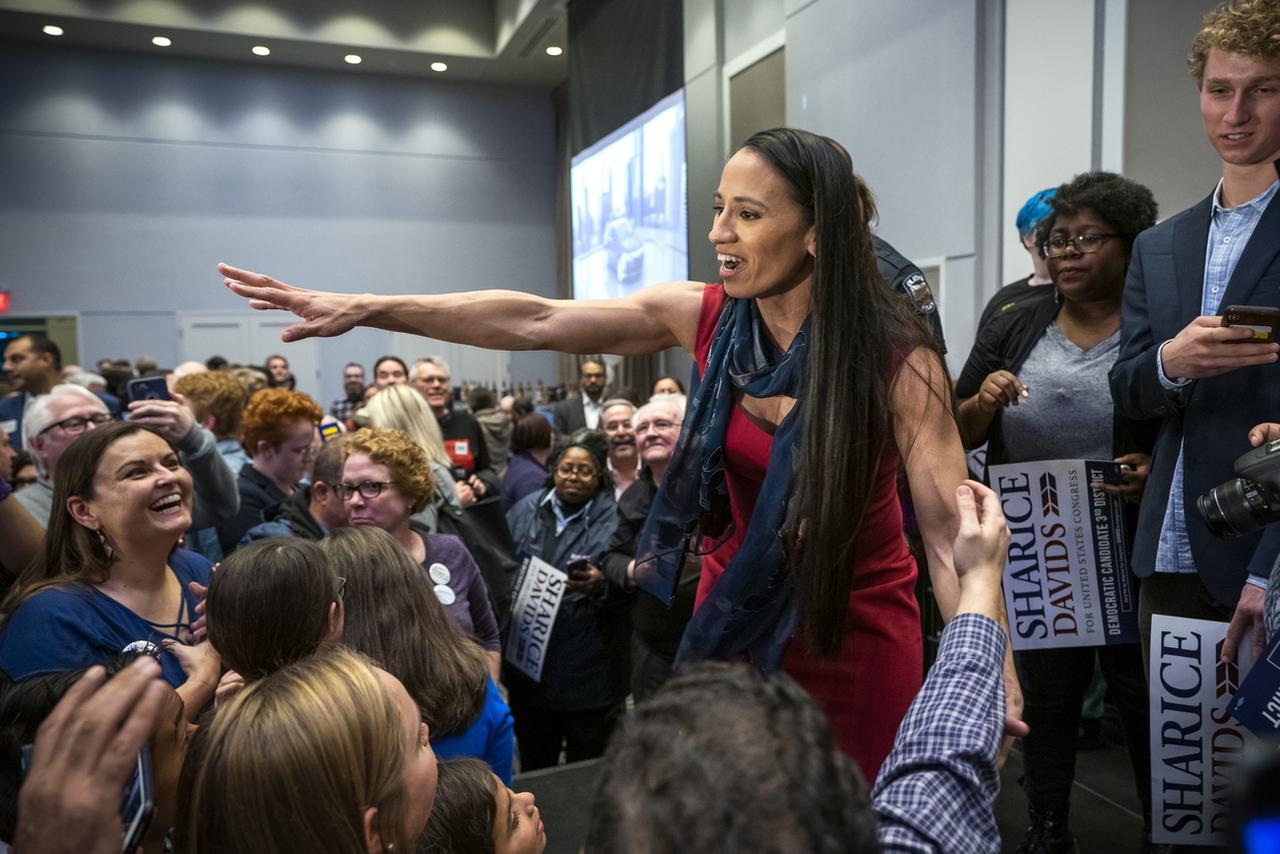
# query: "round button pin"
[439,573]
[445,594]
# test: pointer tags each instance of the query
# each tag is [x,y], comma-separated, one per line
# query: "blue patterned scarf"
[752,607]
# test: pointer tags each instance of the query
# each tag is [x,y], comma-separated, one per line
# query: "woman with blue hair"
[1031,214]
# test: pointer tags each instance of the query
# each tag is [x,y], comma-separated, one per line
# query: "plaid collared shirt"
[1229,233]
[937,789]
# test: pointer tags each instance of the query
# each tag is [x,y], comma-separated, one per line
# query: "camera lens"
[1235,508]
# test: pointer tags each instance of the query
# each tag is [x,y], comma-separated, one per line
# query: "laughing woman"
[112,579]
[816,382]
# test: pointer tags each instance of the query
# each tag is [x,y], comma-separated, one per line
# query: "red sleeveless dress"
[866,690]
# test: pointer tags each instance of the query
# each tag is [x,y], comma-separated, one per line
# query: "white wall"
[128,176]
[1048,107]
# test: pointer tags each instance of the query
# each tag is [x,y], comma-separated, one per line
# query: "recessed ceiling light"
[352,58]
[259,50]
[439,66]
[161,41]
[554,51]
[52,30]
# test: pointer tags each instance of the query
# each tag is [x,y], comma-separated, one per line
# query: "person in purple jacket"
[527,469]
[385,480]
[393,615]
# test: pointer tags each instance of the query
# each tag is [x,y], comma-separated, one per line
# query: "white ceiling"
[494,41]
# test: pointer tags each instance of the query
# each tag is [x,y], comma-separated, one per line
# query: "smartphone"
[578,566]
[137,803]
[148,388]
[1263,319]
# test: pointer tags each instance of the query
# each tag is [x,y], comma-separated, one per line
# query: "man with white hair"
[51,423]
[655,629]
[54,420]
[462,434]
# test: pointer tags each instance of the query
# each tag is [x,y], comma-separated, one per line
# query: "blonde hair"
[410,471]
[400,407]
[1250,27]
[215,393]
[292,762]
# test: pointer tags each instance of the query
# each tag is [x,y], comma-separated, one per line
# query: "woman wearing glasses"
[569,525]
[112,580]
[385,481]
[278,431]
[1036,369]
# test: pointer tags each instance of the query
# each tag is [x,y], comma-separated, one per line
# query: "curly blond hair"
[215,393]
[1250,27]
[410,471]
[271,413]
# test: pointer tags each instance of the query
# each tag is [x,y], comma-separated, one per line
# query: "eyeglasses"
[369,489]
[1085,244]
[660,424]
[582,472]
[437,380]
[76,424]
[342,586]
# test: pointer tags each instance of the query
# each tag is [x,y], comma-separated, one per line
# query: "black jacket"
[660,627]
[457,425]
[257,493]
[1004,344]
[1208,419]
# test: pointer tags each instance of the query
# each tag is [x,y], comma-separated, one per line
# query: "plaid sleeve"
[937,789]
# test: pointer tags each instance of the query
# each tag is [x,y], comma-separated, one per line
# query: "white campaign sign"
[1196,746]
[1066,576]
[539,591]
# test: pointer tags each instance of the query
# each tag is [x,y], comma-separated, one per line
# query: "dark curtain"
[624,56]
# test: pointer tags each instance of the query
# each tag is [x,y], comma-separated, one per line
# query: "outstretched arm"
[652,319]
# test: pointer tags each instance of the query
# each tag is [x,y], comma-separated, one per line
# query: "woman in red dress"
[816,383]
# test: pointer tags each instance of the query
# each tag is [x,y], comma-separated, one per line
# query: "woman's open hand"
[323,314]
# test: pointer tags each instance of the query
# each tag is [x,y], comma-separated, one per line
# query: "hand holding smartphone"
[1263,319]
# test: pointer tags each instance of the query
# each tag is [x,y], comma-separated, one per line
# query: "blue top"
[67,628]
[489,737]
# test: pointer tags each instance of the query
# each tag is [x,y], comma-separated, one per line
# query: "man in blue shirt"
[34,365]
[1209,383]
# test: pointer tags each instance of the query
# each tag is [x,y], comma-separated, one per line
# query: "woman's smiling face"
[763,238]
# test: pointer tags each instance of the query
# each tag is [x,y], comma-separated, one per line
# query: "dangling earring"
[106,546]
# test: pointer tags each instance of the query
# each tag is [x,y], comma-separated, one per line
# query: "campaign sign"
[539,590]
[1257,703]
[1196,746]
[1066,576]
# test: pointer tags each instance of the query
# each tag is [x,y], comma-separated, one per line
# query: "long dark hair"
[394,617]
[72,553]
[253,587]
[860,331]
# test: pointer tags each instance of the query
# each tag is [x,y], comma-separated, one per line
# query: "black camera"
[1250,500]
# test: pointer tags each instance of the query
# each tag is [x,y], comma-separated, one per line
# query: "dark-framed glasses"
[77,424]
[1086,244]
[368,489]
[582,471]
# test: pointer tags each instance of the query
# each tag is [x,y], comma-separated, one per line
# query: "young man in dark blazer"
[1209,382]
[583,409]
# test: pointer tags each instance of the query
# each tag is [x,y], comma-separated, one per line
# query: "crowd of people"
[302,620]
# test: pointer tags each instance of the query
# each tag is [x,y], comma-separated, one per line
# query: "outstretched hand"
[324,315]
